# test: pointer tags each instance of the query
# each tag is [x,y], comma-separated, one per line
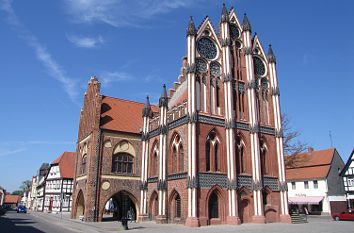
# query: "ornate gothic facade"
[210,153]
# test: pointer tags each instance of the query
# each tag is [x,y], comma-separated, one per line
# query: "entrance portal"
[120,206]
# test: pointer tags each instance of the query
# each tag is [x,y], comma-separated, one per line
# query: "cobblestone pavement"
[317,224]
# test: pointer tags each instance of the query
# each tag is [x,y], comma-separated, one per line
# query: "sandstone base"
[258,219]
[192,222]
[233,220]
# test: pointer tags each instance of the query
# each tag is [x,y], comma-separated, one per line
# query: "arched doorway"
[120,205]
[175,210]
[244,206]
[153,206]
[215,206]
[80,205]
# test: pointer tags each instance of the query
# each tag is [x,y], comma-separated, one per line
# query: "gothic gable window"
[154,160]
[207,48]
[201,65]
[259,66]
[207,155]
[122,163]
[264,99]
[234,32]
[83,164]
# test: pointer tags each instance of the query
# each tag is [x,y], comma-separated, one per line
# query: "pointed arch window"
[198,93]
[207,155]
[217,93]
[216,157]
[240,155]
[212,152]
[178,206]
[176,163]
[181,158]
[174,159]
[155,163]
[83,164]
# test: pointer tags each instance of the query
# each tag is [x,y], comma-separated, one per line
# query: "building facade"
[314,182]
[40,189]
[348,179]
[211,152]
[59,184]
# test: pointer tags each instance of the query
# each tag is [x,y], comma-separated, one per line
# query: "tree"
[17,192]
[292,145]
[26,185]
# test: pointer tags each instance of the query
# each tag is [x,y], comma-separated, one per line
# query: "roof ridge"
[125,100]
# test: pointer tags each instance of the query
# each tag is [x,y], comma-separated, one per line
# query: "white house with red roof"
[314,182]
[348,179]
[59,184]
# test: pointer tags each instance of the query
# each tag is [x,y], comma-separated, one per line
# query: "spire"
[147,108]
[163,102]
[246,26]
[224,14]
[191,30]
[271,57]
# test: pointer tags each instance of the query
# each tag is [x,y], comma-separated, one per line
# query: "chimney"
[310,150]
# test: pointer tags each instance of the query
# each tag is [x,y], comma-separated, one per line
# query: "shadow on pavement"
[15,225]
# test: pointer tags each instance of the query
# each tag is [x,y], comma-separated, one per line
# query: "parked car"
[21,209]
[343,216]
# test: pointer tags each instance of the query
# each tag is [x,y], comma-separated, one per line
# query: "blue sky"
[49,50]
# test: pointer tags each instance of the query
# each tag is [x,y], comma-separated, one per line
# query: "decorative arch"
[241,158]
[124,146]
[176,161]
[154,159]
[245,207]
[213,158]
[153,205]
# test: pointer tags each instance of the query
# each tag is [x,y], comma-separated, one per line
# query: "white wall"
[321,191]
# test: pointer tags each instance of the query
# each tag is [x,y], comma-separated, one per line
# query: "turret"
[271,57]
[191,30]
[246,25]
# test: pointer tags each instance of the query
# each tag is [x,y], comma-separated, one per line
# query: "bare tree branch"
[292,146]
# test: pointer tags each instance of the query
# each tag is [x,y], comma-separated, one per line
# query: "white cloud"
[85,42]
[119,13]
[107,77]
[10,152]
[42,54]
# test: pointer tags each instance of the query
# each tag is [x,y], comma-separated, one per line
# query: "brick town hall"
[211,152]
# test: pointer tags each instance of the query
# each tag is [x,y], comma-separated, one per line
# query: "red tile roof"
[66,163]
[12,199]
[314,165]
[122,115]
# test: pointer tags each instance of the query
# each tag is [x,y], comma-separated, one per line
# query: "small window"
[315,184]
[122,163]
[293,185]
[306,184]
[83,164]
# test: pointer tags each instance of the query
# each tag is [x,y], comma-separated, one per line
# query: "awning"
[305,200]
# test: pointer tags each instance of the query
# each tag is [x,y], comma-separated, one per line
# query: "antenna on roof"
[330,138]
